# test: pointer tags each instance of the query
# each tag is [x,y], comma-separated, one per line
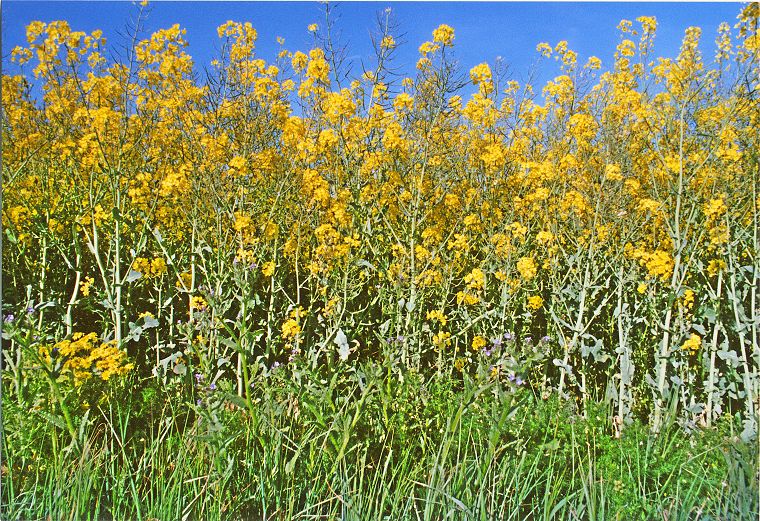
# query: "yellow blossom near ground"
[442,339]
[85,356]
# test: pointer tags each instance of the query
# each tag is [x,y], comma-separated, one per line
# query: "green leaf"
[11,236]
[133,275]
[53,419]
[290,465]
[149,322]
[236,400]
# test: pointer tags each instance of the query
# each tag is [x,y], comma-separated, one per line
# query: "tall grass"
[472,451]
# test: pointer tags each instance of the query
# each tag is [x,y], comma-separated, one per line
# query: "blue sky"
[483,30]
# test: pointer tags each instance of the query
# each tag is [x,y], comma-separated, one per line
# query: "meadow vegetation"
[279,290]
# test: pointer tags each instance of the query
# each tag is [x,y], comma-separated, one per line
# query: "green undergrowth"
[365,444]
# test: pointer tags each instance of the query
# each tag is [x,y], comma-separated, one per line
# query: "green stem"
[64,409]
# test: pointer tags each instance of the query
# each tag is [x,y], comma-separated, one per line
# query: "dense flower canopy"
[613,211]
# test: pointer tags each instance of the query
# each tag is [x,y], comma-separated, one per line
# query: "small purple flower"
[400,339]
[518,381]
[198,402]
[275,365]
[9,318]
[528,339]
[487,351]
[546,339]
[253,266]
[198,377]
[54,351]
[508,337]
[30,310]
[511,377]
[235,261]
[212,387]
[496,342]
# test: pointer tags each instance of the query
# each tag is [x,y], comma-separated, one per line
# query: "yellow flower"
[157,267]
[480,74]
[438,316]
[467,298]
[544,237]
[476,279]
[478,343]
[313,28]
[545,49]
[527,268]
[268,269]
[442,339]
[687,300]
[612,173]
[715,208]
[388,42]
[444,34]
[85,286]
[593,63]
[198,304]
[185,282]
[535,302]
[403,102]
[290,328]
[715,266]
[299,61]
[692,344]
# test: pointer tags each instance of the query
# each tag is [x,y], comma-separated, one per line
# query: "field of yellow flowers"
[277,293]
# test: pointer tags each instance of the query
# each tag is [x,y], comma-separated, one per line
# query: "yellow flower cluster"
[659,263]
[86,286]
[290,329]
[478,343]
[150,268]
[437,316]
[526,266]
[535,302]
[198,304]
[692,344]
[84,356]
[444,35]
[442,339]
